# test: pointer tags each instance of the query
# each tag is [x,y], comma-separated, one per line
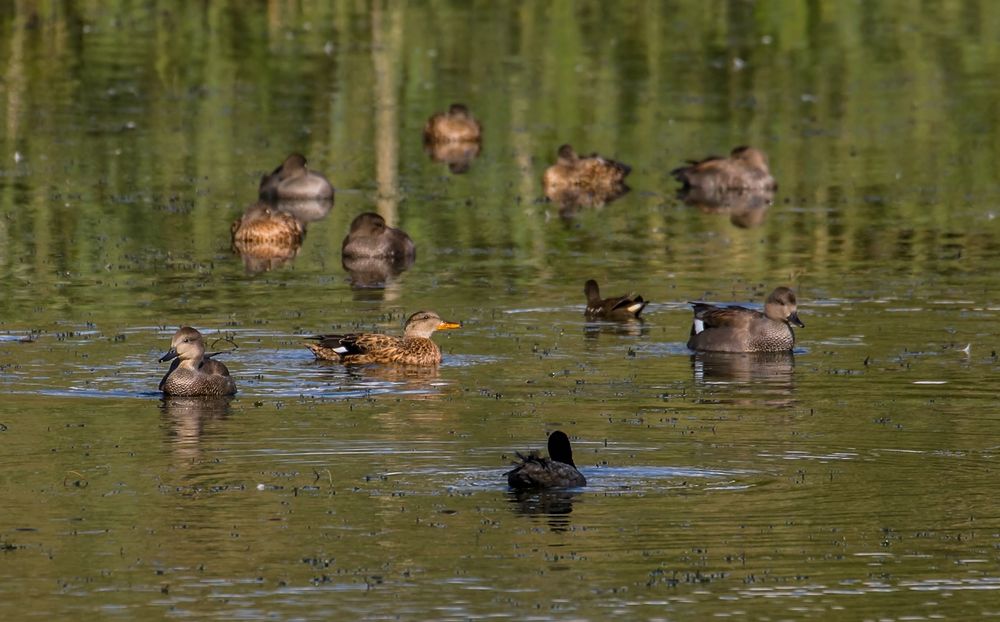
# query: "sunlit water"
[854,478]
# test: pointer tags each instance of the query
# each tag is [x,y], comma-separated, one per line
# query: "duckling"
[745,169]
[294,181]
[626,307]
[193,372]
[590,180]
[413,348]
[738,329]
[371,237]
[556,471]
[455,126]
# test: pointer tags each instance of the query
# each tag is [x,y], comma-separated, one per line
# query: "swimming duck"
[556,471]
[738,329]
[294,181]
[625,307]
[584,180]
[455,126]
[745,169]
[371,237]
[413,348]
[193,372]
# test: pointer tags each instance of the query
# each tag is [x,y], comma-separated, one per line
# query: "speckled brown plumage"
[738,329]
[455,126]
[746,168]
[556,471]
[584,180]
[265,224]
[625,307]
[413,348]
[193,373]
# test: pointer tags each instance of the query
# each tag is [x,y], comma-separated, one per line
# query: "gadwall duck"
[584,180]
[556,471]
[738,329]
[194,373]
[413,348]
[745,169]
[294,181]
[371,237]
[455,126]
[626,307]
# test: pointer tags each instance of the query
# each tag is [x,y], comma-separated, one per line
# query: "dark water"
[855,479]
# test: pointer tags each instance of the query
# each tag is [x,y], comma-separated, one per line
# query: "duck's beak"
[171,354]
[794,320]
[449,325]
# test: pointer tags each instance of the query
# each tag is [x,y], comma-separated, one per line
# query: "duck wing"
[358,343]
[712,316]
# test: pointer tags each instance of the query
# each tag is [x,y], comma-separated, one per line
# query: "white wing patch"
[699,326]
[340,350]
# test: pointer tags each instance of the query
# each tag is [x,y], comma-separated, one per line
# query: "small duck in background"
[370,236]
[746,168]
[294,181]
[194,373]
[556,471]
[455,126]
[739,329]
[454,138]
[266,237]
[576,180]
[413,348]
[626,307]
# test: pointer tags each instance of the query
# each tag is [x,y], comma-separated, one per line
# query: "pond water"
[853,479]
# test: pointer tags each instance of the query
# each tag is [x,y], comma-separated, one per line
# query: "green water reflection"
[853,481]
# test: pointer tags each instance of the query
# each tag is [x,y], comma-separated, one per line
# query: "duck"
[263,223]
[413,348]
[584,180]
[370,236]
[626,307]
[738,329]
[556,471]
[455,126]
[194,373]
[746,168]
[294,181]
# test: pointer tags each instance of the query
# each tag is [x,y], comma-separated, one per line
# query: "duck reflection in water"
[746,209]
[775,368]
[453,138]
[554,506]
[186,418]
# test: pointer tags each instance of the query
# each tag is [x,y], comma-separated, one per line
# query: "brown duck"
[556,471]
[294,181]
[626,307]
[194,373]
[738,329]
[745,169]
[455,126]
[370,236]
[584,180]
[413,348]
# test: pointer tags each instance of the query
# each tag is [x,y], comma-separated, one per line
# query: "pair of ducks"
[195,373]
[715,328]
[593,180]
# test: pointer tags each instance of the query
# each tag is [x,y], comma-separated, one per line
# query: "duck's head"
[186,345]
[368,223]
[591,290]
[458,110]
[293,166]
[567,156]
[560,449]
[781,306]
[424,323]
[754,158]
